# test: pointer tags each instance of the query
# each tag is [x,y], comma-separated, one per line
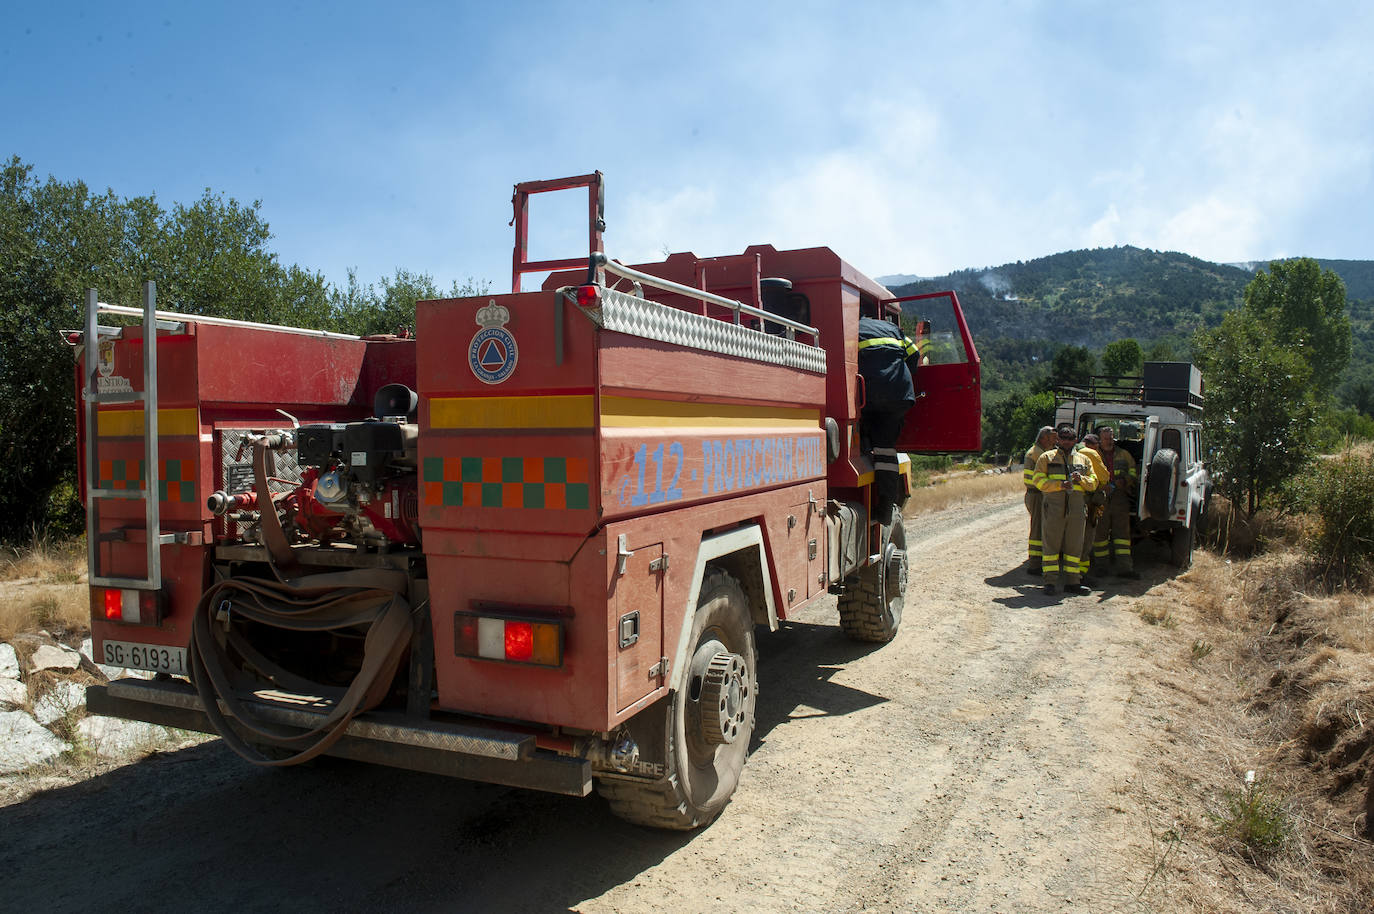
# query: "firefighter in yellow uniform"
[1114,530]
[1063,478]
[1096,501]
[1043,441]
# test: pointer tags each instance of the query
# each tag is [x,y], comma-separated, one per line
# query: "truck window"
[1173,440]
[943,345]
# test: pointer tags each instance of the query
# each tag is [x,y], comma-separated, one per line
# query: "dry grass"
[42,586]
[1283,688]
[962,488]
[45,560]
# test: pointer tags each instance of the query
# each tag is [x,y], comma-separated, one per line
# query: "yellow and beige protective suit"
[1034,549]
[1096,502]
[1064,511]
[1114,529]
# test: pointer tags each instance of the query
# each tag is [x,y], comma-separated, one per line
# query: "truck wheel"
[871,605]
[1182,545]
[710,719]
[1161,484]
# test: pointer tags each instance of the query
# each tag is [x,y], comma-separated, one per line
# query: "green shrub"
[1339,495]
[1254,818]
[1339,427]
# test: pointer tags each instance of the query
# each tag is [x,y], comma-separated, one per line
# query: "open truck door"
[948,415]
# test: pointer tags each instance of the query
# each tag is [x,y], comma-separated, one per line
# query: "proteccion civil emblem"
[493,353]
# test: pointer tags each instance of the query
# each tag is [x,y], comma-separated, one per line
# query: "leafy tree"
[1360,397]
[1307,308]
[389,306]
[1073,365]
[1010,424]
[1121,358]
[1161,351]
[1260,407]
[58,239]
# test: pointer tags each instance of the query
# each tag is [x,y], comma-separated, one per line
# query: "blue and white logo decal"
[493,353]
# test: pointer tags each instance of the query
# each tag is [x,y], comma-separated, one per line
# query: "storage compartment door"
[638,636]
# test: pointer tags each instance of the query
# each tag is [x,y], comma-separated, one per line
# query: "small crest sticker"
[105,359]
[493,353]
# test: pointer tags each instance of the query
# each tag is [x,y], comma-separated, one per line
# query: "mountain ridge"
[1092,297]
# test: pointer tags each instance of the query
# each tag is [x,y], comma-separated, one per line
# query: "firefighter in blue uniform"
[887,362]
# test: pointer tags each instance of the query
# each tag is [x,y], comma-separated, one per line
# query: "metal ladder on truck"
[92,398]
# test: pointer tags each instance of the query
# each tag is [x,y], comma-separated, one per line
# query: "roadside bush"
[1339,495]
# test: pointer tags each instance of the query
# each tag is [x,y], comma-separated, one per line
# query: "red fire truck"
[531,545]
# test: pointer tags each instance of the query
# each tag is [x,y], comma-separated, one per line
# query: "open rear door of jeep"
[948,415]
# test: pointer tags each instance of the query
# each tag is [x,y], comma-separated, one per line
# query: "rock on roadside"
[63,698]
[24,742]
[112,736]
[53,657]
[13,692]
[9,662]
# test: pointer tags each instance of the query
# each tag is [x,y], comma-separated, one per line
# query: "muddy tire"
[871,605]
[710,719]
[1181,546]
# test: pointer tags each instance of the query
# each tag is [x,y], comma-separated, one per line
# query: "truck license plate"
[153,657]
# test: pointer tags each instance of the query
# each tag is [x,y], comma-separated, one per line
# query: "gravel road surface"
[982,761]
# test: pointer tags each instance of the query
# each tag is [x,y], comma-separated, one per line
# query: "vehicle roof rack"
[1176,384]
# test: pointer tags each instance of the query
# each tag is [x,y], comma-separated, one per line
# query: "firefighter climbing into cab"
[888,360]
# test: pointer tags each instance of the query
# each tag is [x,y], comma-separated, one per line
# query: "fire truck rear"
[531,545]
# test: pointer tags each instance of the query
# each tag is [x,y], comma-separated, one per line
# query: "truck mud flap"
[470,752]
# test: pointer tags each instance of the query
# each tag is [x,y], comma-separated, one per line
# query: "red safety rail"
[596,224]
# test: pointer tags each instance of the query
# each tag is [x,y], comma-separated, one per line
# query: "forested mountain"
[1029,318]
[1093,297]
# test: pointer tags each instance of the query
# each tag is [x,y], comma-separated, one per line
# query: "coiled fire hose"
[370,599]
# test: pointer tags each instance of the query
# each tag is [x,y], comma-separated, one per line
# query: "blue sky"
[917,137]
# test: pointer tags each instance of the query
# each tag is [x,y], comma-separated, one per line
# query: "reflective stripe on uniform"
[903,344]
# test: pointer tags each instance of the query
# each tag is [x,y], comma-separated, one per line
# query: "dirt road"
[983,761]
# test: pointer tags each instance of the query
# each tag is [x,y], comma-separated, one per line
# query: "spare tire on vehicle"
[1161,484]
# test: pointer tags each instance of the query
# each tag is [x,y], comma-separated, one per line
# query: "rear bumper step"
[471,752]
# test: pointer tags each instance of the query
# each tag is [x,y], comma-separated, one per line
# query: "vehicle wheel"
[1182,545]
[1161,484]
[871,605]
[710,719]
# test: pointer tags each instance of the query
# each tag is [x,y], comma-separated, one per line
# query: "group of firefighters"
[1079,495]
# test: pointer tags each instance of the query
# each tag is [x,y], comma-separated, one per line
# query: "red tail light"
[515,640]
[588,296]
[114,605]
[519,641]
[143,607]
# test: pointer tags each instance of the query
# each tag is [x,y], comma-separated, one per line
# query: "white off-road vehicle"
[1157,418]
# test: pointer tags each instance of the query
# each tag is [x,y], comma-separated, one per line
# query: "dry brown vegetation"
[961,487]
[1263,671]
[44,588]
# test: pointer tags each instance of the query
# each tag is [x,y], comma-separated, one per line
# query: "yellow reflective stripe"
[128,423]
[881,341]
[1121,542]
[641,412]
[560,411]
